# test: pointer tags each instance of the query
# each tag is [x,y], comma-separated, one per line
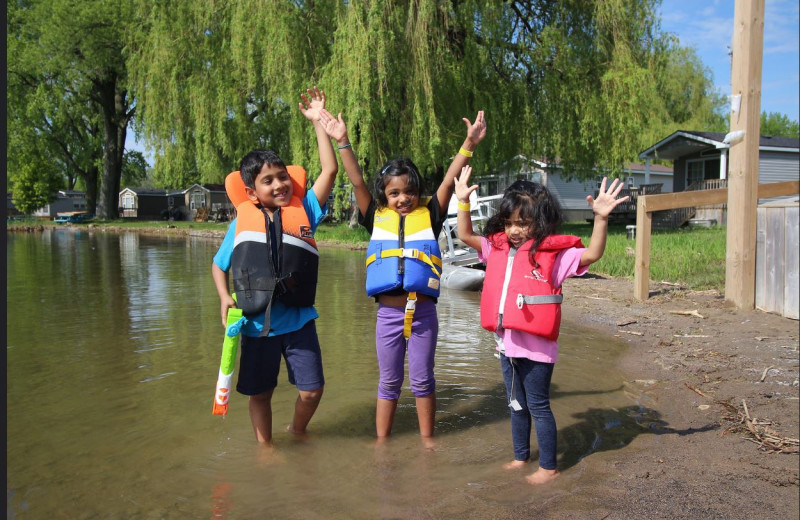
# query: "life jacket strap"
[433,261]
[540,299]
[411,305]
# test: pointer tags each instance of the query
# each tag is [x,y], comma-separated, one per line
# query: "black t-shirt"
[437,221]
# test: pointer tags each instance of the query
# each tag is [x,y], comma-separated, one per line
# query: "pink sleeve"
[486,247]
[567,265]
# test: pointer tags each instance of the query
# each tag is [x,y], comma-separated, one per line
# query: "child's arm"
[225,299]
[602,206]
[475,134]
[310,108]
[465,232]
[337,130]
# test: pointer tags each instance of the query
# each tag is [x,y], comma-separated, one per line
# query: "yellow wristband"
[463,206]
[466,153]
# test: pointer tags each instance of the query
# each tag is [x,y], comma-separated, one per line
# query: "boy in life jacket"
[270,253]
[526,262]
[403,269]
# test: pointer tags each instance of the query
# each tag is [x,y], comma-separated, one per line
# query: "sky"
[707,25]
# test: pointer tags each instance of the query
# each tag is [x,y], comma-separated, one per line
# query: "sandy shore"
[719,388]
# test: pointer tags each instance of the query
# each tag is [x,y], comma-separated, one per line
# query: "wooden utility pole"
[748,49]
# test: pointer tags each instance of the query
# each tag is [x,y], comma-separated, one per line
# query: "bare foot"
[429,443]
[300,435]
[514,464]
[542,476]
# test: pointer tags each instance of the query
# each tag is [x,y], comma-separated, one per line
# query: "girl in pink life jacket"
[526,262]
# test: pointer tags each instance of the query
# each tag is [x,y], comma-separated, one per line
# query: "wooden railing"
[650,203]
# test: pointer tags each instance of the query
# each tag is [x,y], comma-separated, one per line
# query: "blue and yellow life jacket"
[403,253]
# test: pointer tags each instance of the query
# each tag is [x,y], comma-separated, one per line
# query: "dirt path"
[720,386]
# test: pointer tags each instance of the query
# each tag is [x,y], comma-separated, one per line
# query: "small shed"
[777,265]
[211,197]
[148,204]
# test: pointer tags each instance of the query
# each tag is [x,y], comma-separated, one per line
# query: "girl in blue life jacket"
[403,269]
[526,262]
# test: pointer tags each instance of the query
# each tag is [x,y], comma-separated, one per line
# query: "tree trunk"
[90,180]
[115,126]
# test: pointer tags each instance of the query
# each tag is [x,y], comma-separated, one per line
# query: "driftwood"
[755,430]
[688,313]
[760,433]
[764,375]
[632,332]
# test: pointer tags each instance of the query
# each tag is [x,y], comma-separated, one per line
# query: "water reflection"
[113,347]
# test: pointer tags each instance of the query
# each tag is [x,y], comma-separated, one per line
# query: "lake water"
[113,347]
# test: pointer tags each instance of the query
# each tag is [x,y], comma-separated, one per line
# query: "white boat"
[461,269]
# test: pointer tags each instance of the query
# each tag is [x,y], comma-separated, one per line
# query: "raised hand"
[312,102]
[335,128]
[476,131]
[607,199]
[463,191]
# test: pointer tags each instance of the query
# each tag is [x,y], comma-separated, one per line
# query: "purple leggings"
[391,347]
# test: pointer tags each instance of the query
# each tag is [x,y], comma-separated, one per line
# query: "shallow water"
[113,348]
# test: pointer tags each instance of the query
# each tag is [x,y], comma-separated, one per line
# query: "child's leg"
[304,363]
[260,407]
[520,419]
[537,378]
[384,416]
[421,354]
[390,346]
[304,408]
[258,376]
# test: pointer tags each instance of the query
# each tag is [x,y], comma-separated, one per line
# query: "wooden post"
[748,46]
[641,271]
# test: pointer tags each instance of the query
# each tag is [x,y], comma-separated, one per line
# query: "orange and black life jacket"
[289,276]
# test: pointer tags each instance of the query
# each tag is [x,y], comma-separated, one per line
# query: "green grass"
[694,257]
[341,233]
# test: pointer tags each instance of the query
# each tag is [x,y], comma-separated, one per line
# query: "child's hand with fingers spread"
[335,128]
[312,103]
[463,191]
[607,199]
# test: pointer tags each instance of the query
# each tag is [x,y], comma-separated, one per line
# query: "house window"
[197,200]
[702,169]
[128,201]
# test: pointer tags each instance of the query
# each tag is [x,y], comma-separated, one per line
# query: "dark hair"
[394,168]
[253,162]
[535,204]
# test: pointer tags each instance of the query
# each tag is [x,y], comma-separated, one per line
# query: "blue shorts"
[261,361]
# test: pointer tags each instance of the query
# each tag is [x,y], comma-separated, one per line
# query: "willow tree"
[217,79]
[577,82]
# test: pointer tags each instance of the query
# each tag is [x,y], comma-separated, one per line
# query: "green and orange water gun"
[230,344]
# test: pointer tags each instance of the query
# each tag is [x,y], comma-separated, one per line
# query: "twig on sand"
[764,375]
[759,431]
[690,336]
[632,332]
[598,298]
[693,389]
[688,313]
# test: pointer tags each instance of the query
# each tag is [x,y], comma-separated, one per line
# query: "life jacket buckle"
[520,301]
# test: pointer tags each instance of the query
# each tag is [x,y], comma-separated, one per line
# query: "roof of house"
[686,142]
